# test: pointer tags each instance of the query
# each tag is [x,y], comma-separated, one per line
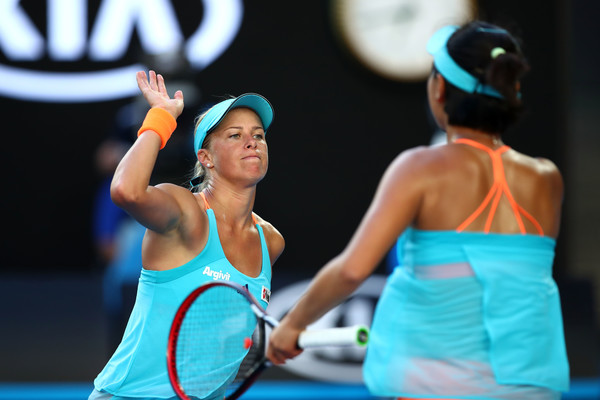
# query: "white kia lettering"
[221,22]
[19,38]
[67,29]
[154,21]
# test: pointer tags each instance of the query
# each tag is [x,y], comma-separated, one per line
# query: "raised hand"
[155,92]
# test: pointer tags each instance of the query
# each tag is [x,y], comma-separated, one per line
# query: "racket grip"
[357,335]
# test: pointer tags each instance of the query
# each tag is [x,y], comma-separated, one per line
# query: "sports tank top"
[470,315]
[138,368]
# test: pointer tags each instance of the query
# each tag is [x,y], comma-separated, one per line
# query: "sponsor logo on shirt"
[216,275]
[265,295]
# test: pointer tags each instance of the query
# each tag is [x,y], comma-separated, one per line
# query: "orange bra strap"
[208,207]
[496,189]
[205,202]
[515,207]
[493,208]
[500,180]
[479,209]
[532,220]
[499,187]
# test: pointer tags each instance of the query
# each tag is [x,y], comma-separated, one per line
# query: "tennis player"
[473,311]
[193,236]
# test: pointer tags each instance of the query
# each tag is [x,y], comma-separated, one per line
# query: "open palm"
[155,92]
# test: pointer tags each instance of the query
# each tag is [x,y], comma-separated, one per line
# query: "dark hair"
[471,47]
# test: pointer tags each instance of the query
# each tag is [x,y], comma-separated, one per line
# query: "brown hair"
[471,47]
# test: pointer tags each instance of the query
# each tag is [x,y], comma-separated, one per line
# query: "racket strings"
[213,341]
[256,354]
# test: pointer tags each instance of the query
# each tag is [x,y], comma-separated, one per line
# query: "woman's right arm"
[394,207]
[154,207]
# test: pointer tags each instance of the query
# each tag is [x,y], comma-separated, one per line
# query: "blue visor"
[450,70]
[215,115]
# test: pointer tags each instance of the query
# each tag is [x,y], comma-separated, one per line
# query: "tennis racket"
[216,346]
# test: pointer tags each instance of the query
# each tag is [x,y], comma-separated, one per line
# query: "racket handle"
[357,335]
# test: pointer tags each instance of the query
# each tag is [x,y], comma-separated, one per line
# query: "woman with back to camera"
[473,311]
[192,236]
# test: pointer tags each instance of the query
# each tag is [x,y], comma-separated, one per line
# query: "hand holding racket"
[216,346]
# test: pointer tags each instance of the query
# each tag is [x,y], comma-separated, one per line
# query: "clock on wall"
[389,36]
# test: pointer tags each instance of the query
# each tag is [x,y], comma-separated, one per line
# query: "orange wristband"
[160,121]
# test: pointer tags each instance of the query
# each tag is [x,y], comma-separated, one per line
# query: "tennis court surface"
[581,389]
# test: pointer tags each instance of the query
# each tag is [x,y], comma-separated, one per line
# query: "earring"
[207,165]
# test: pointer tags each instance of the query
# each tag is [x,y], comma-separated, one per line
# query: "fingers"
[162,88]
[278,357]
[154,90]
[155,82]
[275,356]
[152,81]
[282,344]
[142,80]
[275,359]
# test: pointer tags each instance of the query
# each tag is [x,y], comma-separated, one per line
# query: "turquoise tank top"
[469,316]
[138,368]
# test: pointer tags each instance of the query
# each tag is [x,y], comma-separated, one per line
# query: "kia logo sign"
[332,364]
[67,40]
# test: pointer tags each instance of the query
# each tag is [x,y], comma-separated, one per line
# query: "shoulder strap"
[499,187]
[205,201]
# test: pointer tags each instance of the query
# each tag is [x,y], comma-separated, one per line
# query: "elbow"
[352,275]
[123,195]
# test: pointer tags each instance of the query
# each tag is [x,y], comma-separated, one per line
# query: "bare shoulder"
[424,161]
[272,235]
[544,168]
[419,155]
[412,174]
[275,240]
[414,157]
[445,158]
[540,164]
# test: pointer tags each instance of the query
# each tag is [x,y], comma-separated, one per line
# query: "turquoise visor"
[215,115]
[450,70]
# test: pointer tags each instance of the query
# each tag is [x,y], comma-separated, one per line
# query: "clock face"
[390,36]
